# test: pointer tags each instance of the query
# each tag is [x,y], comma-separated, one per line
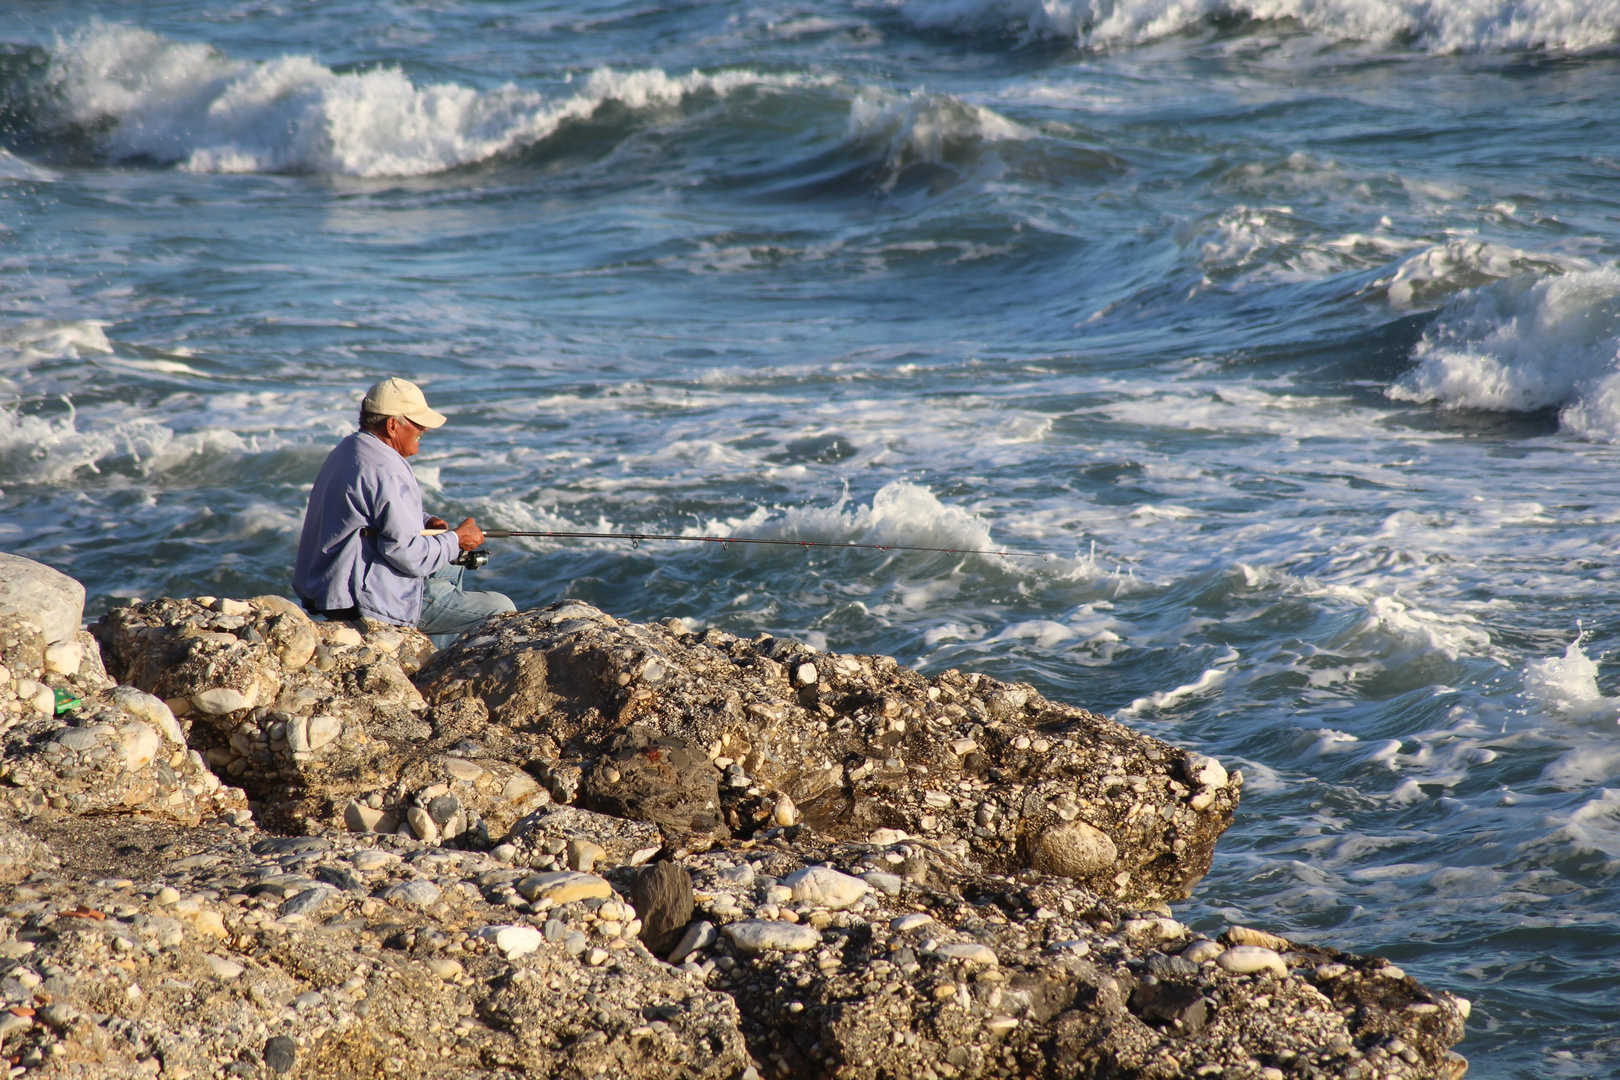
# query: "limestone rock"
[822,886]
[755,936]
[46,597]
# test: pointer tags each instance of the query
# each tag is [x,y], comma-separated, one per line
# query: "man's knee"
[502,604]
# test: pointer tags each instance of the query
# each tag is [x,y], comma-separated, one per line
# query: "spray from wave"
[1568,685]
[187,104]
[1445,26]
[1524,344]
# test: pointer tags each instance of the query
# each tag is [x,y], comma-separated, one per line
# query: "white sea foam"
[1165,701]
[186,103]
[1568,685]
[53,450]
[1528,343]
[900,513]
[1435,25]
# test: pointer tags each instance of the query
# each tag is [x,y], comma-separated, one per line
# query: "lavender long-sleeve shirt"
[366,484]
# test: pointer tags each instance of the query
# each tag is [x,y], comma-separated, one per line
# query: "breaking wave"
[1524,344]
[1446,26]
[185,103]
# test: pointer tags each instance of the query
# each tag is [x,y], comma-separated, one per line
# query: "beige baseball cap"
[396,397]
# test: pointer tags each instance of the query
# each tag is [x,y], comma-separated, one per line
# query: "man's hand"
[436,523]
[470,535]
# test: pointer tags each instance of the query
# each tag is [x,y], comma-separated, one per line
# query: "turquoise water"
[1290,341]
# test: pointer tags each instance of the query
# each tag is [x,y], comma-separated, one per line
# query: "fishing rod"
[636,539]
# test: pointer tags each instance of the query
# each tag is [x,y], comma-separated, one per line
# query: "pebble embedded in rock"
[280,1054]
[911,922]
[583,855]
[822,886]
[416,893]
[222,968]
[1075,849]
[223,699]
[1250,959]
[305,903]
[78,739]
[698,936]
[1204,771]
[1243,935]
[754,936]
[152,709]
[141,745]
[784,813]
[514,941]
[564,887]
[970,952]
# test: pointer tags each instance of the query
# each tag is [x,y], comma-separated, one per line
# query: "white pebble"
[1251,959]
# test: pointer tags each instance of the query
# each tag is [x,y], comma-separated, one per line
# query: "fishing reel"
[476,559]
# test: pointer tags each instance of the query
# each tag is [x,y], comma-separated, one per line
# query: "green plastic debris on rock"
[65,702]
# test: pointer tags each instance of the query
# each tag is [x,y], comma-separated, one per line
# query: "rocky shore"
[237,842]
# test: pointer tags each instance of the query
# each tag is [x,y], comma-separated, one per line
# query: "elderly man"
[362,553]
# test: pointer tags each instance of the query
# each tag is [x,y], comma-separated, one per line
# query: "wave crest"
[1444,26]
[187,104]
[927,130]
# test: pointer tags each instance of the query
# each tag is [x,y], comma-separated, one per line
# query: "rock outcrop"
[318,722]
[704,734]
[571,846]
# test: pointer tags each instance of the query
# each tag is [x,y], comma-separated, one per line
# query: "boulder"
[48,598]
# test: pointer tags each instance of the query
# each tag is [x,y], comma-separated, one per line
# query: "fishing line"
[636,539]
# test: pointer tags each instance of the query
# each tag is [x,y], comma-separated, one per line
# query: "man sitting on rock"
[362,553]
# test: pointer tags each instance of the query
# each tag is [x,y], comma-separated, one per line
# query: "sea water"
[1286,330]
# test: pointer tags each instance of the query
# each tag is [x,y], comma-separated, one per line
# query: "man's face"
[405,435]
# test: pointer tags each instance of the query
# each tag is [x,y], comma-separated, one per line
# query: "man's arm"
[399,520]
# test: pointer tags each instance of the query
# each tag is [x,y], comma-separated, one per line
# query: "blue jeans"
[448,612]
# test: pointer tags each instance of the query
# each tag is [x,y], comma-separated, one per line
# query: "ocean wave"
[27,342]
[924,129]
[187,104]
[1442,26]
[1524,344]
[56,450]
